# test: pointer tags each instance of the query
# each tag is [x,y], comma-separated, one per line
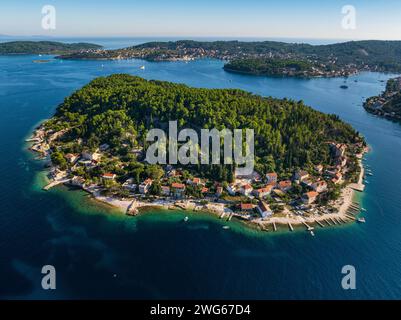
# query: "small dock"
[327,221]
[181,206]
[132,210]
[354,207]
[353,212]
[290,226]
[357,186]
[222,215]
[274,226]
[332,220]
[55,183]
[308,227]
[350,217]
[319,223]
[230,216]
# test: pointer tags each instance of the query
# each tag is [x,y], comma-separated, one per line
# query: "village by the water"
[263,202]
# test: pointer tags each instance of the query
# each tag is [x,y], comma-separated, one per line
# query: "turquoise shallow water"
[158,256]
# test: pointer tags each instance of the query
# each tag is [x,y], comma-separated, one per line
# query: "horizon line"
[190,37]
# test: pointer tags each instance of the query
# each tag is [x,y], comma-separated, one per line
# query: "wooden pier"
[309,228]
[291,228]
[55,183]
[274,226]
[327,221]
[319,223]
[357,186]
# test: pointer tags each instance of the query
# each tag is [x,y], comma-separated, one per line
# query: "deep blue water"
[157,256]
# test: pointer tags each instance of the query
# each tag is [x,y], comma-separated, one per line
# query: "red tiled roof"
[312,194]
[284,184]
[176,185]
[268,188]
[71,155]
[246,206]
[109,175]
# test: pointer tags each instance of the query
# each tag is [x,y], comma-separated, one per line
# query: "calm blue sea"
[99,253]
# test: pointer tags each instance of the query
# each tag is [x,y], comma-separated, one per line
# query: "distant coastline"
[263,58]
[44,47]
[266,57]
[388,103]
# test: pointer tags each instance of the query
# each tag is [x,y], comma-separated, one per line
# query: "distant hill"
[44,47]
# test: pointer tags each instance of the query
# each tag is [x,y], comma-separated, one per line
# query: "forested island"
[45,47]
[304,159]
[388,103]
[340,59]
[273,67]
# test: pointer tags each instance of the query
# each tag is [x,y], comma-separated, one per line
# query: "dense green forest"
[394,106]
[275,67]
[43,47]
[119,109]
[394,103]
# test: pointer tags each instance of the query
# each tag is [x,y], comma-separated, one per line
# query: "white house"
[301,175]
[92,156]
[178,189]
[264,209]
[78,181]
[109,176]
[145,186]
[165,190]
[246,189]
[271,177]
[319,186]
[130,185]
[72,157]
[285,185]
[309,197]
[263,192]
[231,189]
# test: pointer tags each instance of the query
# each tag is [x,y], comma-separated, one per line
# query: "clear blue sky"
[246,18]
